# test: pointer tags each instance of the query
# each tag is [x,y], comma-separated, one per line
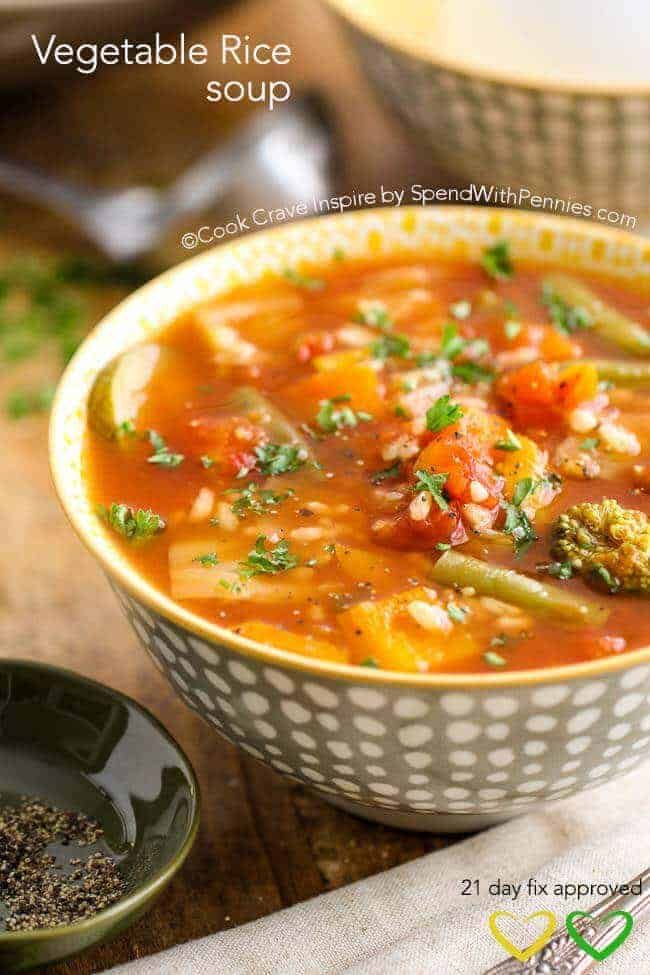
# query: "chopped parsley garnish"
[338,254]
[433,484]
[132,523]
[425,358]
[255,500]
[332,417]
[207,462]
[400,411]
[391,345]
[443,546]
[461,309]
[517,522]
[303,280]
[162,456]
[375,314]
[494,659]
[558,570]
[566,318]
[230,585]
[590,443]
[523,489]
[443,414]
[369,662]
[26,402]
[518,525]
[279,458]
[387,474]
[262,560]
[451,343]
[207,560]
[456,613]
[496,261]
[510,442]
[126,429]
[472,373]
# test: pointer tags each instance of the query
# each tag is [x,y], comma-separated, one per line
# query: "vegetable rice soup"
[427,465]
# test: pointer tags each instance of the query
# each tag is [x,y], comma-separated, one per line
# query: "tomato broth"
[426,465]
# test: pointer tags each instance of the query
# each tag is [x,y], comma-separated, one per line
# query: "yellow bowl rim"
[115,565]
[374,26]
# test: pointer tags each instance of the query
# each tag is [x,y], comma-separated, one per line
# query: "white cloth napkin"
[413,920]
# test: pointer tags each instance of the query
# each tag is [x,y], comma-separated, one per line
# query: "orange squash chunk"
[361,383]
[307,646]
[385,632]
[578,384]
[539,394]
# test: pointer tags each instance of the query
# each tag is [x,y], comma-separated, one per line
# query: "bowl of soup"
[518,96]
[373,492]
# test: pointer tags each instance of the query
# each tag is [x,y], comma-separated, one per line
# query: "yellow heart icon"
[526,953]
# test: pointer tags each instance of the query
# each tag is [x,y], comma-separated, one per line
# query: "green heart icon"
[600,954]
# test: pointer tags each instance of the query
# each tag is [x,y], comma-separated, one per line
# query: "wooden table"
[264,843]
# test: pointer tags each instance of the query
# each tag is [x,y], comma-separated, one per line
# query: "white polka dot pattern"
[423,752]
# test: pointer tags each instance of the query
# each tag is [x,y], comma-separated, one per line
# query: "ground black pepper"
[35,889]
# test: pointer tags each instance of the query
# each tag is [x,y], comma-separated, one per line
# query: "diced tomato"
[528,393]
[440,526]
[229,440]
[540,395]
[463,465]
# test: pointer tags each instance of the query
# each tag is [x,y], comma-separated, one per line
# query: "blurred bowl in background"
[561,130]
[78,21]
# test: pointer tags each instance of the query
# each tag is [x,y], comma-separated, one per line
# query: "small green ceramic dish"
[84,747]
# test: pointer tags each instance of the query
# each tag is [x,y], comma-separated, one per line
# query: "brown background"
[263,844]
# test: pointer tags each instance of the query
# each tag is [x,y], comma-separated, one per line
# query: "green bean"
[278,426]
[454,569]
[622,372]
[609,323]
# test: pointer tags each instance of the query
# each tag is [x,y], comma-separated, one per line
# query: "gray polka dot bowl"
[425,751]
[582,141]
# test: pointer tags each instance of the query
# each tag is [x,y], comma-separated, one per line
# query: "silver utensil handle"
[562,956]
[37,187]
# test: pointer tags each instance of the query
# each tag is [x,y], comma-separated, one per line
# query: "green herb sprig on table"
[43,303]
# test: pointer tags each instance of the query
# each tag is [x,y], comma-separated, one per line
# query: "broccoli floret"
[605,543]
